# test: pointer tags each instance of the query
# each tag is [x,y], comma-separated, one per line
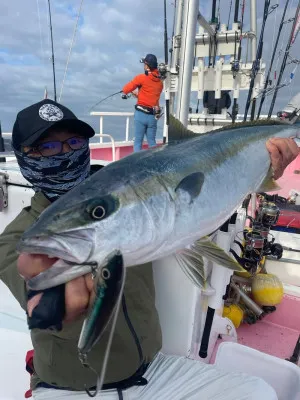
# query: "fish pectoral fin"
[192,265]
[216,254]
[191,184]
[269,184]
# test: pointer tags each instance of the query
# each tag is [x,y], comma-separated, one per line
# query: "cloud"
[112,36]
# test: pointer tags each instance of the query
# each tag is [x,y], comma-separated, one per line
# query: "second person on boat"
[147,109]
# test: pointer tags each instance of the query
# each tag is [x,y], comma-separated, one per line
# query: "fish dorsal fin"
[177,131]
[248,124]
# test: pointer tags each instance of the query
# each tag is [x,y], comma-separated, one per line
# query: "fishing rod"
[236,11]
[173,33]
[213,21]
[229,14]
[70,50]
[282,22]
[213,12]
[167,92]
[2,147]
[256,63]
[235,67]
[52,57]
[105,98]
[285,57]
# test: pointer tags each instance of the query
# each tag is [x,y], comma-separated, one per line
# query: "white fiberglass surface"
[14,343]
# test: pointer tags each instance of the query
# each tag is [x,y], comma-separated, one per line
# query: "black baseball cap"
[35,120]
[150,60]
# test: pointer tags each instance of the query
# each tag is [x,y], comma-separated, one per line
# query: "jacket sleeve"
[136,82]
[8,254]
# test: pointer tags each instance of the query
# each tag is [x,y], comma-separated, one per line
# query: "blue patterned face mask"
[57,174]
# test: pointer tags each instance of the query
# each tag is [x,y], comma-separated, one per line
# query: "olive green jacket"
[137,336]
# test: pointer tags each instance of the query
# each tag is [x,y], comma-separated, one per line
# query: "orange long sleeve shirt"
[149,87]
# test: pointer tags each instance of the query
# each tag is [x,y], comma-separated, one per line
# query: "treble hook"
[84,362]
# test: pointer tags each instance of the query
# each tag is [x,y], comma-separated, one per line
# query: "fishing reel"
[285,115]
[235,67]
[257,243]
[256,246]
[267,214]
[162,69]
[158,112]
[235,109]
[270,248]
[252,251]
[125,96]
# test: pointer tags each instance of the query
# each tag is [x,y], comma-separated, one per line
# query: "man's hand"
[79,293]
[282,153]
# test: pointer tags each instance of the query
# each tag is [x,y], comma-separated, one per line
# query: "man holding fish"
[51,147]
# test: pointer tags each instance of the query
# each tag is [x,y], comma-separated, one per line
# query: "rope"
[70,50]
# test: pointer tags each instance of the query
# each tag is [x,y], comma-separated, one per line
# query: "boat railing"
[103,114]
[113,146]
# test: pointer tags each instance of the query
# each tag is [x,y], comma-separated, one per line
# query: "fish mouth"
[60,272]
[46,251]
[75,247]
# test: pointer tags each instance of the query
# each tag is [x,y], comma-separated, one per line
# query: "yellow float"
[267,289]
[234,313]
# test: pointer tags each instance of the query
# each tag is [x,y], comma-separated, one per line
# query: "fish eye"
[99,208]
[105,273]
[98,212]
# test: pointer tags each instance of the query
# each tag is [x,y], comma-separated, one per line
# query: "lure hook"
[84,362]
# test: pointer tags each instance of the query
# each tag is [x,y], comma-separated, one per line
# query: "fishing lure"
[109,285]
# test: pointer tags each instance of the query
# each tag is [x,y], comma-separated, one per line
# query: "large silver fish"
[156,202]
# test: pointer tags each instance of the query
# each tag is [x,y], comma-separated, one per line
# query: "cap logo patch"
[50,112]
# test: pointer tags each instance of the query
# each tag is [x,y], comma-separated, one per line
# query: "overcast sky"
[112,36]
